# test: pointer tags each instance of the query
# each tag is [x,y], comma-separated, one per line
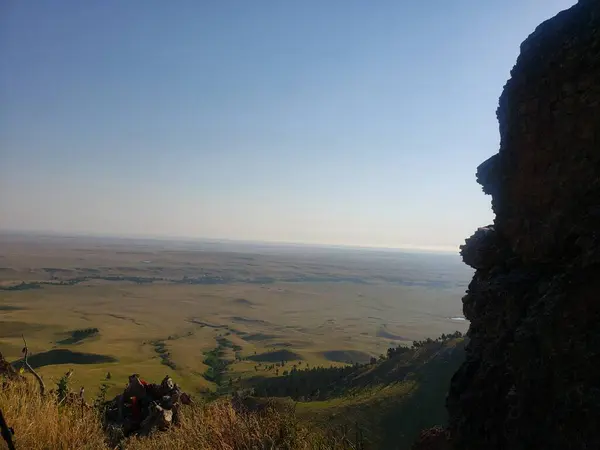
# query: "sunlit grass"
[40,423]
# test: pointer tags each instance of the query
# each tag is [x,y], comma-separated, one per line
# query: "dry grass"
[218,426]
[40,424]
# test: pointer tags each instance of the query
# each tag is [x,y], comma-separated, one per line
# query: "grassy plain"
[161,306]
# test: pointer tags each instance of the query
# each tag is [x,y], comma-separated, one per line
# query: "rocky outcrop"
[531,378]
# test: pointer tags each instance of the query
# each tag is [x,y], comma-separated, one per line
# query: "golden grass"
[40,424]
[219,426]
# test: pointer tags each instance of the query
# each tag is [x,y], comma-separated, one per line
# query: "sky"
[339,122]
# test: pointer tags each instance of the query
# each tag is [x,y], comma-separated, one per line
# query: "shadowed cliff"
[530,379]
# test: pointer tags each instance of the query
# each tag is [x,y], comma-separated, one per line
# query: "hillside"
[377,405]
[33,417]
[385,403]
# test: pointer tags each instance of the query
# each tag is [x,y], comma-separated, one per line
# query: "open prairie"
[207,312]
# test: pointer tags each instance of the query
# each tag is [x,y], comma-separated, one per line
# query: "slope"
[383,404]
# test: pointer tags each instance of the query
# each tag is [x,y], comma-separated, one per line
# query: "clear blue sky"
[320,121]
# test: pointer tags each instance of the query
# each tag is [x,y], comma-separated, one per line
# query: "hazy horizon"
[305,122]
[200,239]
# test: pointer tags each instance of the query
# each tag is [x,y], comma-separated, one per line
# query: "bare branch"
[6,432]
[37,377]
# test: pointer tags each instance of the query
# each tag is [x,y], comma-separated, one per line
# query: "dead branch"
[82,399]
[37,377]
[6,432]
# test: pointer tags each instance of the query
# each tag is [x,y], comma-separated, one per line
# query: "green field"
[192,309]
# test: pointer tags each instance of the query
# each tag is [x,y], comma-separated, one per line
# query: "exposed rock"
[530,379]
[484,249]
[487,174]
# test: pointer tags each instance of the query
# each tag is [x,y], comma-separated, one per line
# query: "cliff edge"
[531,378]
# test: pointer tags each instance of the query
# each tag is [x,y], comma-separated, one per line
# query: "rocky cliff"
[531,379]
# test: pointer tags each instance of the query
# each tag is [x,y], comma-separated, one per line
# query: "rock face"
[532,374]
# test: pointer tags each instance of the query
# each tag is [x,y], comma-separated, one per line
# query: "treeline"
[84,332]
[322,383]
[316,383]
[442,338]
[79,335]
[205,279]
[21,287]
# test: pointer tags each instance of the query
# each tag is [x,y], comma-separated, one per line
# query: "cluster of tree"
[204,279]
[79,335]
[133,279]
[217,364]
[279,365]
[321,383]
[392,352]
[84,332]
[164,354]
[73,281]
[442,338]
[316,383]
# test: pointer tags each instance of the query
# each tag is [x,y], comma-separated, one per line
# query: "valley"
[220,317]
